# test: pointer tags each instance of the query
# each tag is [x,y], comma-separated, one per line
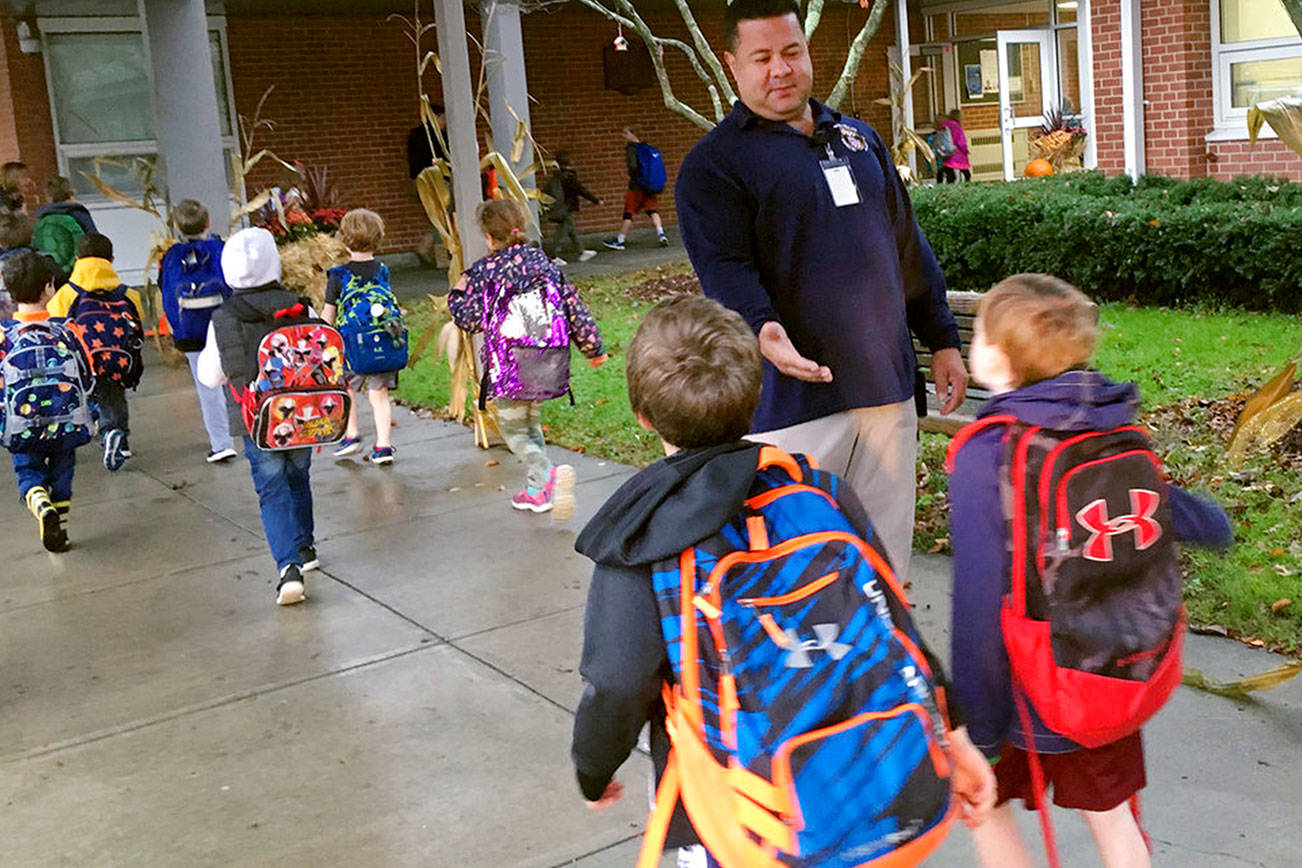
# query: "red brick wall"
[1177,51]
[1179,110]
[1105,27]
[26,131]
[345,96]
[320,106]
[1270,157]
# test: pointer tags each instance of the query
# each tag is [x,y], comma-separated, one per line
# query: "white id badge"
[840,181]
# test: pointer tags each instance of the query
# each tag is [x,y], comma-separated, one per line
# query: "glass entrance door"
[1028,87]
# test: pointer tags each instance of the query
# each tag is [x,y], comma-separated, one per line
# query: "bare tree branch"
[655,45]
[701,56]
[705,51]
[813,15]
[857,48]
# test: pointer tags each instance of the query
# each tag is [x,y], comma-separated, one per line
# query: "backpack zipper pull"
[1064,540]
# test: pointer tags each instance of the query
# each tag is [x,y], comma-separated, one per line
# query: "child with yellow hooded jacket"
[111,316]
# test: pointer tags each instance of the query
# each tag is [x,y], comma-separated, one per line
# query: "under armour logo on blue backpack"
[798,656]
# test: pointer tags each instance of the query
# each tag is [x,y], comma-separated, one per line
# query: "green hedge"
[1161,241]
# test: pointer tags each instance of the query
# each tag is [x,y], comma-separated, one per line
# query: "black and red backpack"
[1093,615]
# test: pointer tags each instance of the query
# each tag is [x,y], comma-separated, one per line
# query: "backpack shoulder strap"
[967,432]
[772,456]
[245,312]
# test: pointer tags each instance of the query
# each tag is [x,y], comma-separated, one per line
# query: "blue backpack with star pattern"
[113,333]
[45,384]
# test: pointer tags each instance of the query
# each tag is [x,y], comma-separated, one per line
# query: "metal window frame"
[124,24]
[1231,124]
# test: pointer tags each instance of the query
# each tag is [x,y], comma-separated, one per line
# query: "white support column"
[508,90]
[906,71]
[1132,87]
[458,101]
[186,118]
[1085,47]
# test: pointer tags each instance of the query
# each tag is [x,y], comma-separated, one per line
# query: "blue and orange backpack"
[805,726]
[113,333]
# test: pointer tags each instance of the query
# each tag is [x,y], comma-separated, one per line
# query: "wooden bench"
[963,306]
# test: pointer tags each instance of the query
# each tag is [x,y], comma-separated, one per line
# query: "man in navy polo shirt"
[795,217]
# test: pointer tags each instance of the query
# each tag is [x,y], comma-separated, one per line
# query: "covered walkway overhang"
[187,117]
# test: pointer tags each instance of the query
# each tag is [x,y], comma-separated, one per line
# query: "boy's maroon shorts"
[1089,779]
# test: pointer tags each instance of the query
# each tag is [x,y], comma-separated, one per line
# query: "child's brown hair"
[503,220]
[58,188]
[1042,323]
[361,230]
[694,372]
[15,229]
[191,217]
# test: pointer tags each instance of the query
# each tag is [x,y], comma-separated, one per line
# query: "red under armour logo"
[1094,518]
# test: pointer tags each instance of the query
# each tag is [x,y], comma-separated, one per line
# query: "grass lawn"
[1186,362]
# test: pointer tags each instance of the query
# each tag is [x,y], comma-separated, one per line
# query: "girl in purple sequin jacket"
[529,314]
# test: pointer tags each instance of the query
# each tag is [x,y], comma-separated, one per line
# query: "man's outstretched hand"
[951,379]
[782,354]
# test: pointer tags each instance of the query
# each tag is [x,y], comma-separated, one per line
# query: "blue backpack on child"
[651,175]
[370,322]
[805,727]
[191,273]
[45,384]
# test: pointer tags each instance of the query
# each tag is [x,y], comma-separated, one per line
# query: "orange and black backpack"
[805,726]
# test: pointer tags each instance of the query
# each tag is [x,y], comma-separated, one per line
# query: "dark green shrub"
[1158,242]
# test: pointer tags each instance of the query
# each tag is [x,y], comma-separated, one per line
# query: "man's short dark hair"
[15,229]
[94,245]
[26,274]
[694,372]
[753,10]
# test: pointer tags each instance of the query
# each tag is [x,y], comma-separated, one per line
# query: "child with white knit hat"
[251,266]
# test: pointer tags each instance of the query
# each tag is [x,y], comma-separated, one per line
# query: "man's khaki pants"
[874,449]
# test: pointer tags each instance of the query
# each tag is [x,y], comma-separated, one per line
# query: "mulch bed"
[661,288]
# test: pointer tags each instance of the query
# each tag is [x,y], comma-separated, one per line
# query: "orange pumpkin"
[1038,168]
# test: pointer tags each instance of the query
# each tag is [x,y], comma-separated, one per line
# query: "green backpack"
[57,235]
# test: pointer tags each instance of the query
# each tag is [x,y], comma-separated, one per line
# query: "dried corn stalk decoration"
[1268,415]
[1284,115]
[434,188]
[1268,680]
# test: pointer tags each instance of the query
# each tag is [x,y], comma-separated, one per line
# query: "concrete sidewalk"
[159,709]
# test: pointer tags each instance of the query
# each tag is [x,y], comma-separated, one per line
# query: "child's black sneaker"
[664,242]
[307,554]
[217,456]
[290,590]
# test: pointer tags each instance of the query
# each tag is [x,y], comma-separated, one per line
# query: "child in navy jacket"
[1034,336]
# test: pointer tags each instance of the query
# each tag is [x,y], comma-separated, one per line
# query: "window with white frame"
[99,82]
[1256,56]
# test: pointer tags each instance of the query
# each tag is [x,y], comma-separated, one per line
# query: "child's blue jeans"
[51,470]
[285,498]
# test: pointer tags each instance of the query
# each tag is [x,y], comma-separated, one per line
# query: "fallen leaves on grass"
[661,288]
[1281,604]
